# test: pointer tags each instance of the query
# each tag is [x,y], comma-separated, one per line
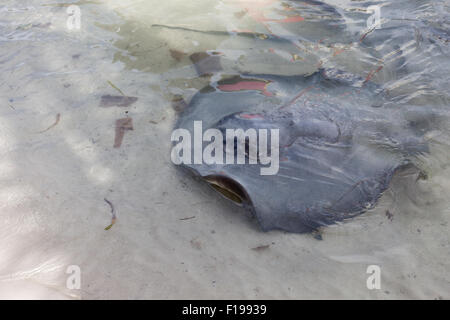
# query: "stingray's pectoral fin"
[299,214]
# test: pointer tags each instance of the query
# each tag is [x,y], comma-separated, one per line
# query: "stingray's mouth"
[229,188]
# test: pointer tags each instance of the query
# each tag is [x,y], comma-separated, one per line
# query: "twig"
[112,85]
[261,247]
[113,220]
[188,218]
[58,117]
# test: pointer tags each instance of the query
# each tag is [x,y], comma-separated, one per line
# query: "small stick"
[188,218]
[261,247]
[112,85]
[58,117]
[113,220]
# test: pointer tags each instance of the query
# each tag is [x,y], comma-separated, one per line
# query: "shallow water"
[58,162]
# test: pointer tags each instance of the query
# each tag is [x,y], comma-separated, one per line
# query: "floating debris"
[116,101]
[261,248]
[122,125]
[113,219]
[176,54]
[178,103]
[157,121]
[112,85]
[58,117]
[188,218]
[389,215]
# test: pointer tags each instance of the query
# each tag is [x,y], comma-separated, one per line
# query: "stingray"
[342,138]
[340,144]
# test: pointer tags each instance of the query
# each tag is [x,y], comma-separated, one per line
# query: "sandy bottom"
[174,236]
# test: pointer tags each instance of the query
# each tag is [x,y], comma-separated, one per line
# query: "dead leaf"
[176,54]
[178,103]
[116,101]
[262,247]
[188,218]
[122,125]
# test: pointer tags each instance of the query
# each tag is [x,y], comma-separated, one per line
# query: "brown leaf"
[122,125]
[176,54]
[116,101]
[261,248]
[178,103]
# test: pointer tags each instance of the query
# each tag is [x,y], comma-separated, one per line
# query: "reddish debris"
[122,125]
[246,85]
[251,116]
[290,19]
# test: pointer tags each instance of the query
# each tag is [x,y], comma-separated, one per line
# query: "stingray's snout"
[229,188]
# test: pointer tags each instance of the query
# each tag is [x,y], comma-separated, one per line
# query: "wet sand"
[174,237]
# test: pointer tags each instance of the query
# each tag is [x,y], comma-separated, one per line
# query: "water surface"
[174,236]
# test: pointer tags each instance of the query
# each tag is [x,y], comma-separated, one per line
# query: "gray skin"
[342,138]
[340,145]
